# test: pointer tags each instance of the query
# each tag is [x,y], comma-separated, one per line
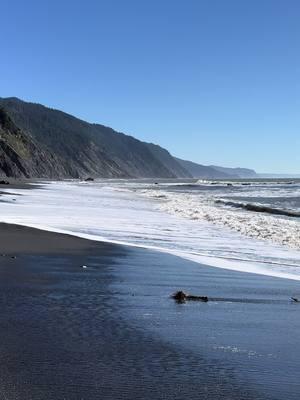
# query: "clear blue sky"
[214,81]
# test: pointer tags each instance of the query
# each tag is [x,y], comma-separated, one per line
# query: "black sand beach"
[110,331]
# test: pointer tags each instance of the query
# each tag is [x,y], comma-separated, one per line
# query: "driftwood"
[295,299]
[182,297]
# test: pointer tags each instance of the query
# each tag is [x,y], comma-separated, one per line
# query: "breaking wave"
[266,223]
[116,212]
[259,208]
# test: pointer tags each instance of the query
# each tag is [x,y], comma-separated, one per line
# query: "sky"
[213,81]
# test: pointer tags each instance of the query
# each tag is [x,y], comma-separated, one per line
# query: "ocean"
[117,316]
[242,225]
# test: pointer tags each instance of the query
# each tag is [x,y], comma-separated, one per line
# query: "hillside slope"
[214,172]
[20,156]
[37,141]
[239,172]
[202,171]
[83,149]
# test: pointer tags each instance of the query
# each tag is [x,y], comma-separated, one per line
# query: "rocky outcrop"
[20,156]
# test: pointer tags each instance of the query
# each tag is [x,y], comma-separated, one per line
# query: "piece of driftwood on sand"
[181,297]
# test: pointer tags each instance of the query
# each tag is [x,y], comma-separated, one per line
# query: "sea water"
[251,226]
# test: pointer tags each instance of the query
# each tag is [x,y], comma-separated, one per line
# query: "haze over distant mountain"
[279,176]
[36,141]
[239,172]
[202,171]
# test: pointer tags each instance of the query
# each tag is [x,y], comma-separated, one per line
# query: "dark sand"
[111,331]
[19,183]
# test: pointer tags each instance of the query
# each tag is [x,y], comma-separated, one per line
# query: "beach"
[149,200]
[111,330]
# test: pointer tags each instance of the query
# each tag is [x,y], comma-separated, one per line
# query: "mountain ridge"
[59,145]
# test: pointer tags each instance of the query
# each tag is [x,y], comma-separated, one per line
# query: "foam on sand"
[106,211]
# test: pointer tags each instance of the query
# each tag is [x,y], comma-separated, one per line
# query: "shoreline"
[111,331]
[94,212]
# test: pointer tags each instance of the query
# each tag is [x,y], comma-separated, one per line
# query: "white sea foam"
[204,208]
[116,213]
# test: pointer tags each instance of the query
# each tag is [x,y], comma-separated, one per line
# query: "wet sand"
[110,331]
[14,183]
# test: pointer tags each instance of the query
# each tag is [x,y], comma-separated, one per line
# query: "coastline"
[113,214]
[110,331]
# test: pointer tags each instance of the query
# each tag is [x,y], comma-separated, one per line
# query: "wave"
[259,208]
[98,213]
[263,223]
[254,182]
